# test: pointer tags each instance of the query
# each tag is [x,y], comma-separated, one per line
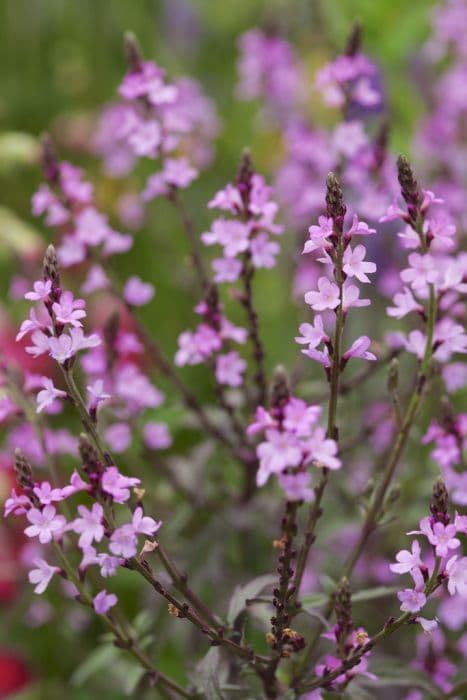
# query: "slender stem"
[253,329]
[189,228]
[315,510]
[280,621]
[124,641]
[377,502]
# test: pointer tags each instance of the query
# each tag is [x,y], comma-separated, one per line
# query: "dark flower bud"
[409,185]
[50,266]
[440,501]
[393,375]
[88,453]
[335,207]
[244,177]
[354,42]
[111,329]
[343,609]
[50,165]
[23,470]
[133,52]
[280,387]
[381,144]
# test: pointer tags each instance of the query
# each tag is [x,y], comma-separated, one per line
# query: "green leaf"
[208,675]
[99,659]
[316,600]
[243,593]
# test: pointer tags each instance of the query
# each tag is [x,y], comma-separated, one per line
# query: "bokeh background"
[60,61]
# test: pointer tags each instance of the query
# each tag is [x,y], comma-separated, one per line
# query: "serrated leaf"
[99,659]
[243,593]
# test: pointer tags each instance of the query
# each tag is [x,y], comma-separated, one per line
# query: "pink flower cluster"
[39,502]
[328,296]
[248,234]
[443,563]
[292,442]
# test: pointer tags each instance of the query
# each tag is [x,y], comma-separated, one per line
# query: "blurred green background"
[60,61]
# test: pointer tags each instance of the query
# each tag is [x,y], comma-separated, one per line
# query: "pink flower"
[322,450]
[145,138]
[407,560]
[123,541]
[48,394]
[319,234]
[359,228]
[103,602]
[31,324]
[136,292]
[312,334]
[228,199]
[97,394]
[230,368]
[109,564]
[404,303]
[349,138]
[46,524]
[178,172]
[40,344]
[41,291]
[16,504]
[233,235]
[46,494]
[443,538]
[457,572]
[69,310]
[157,436]
[428,626]
[42,575]
[351,297]
[319,356]
[90,525]
[263,420]
[297,486]
[117,485]
[226,269]
[422,271]
[354,265]
[299,417]
[327,296]
[279,451]
[359,349]
[412,600]
[143,524]
[263,251]
[66,346]
[394,212]
[416,343]
[118,436]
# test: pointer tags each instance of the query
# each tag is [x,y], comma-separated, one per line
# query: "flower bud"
[244,176]
[354,42]
[133,52]
[49,159]
[23,470]
[440,501]
[343,610]
[50,266]
[335,206]
[280,388]
[407,181]
[88,453]
[393,375]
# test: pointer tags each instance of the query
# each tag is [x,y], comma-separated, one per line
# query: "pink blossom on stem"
[230,368]
[137,292]
[42,575]
[45,524]
[103,601]
[48,394]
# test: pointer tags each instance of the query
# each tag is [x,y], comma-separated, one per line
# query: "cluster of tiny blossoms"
[441,564]
[336,291]
[58,332]
[293,441]
[159,120]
